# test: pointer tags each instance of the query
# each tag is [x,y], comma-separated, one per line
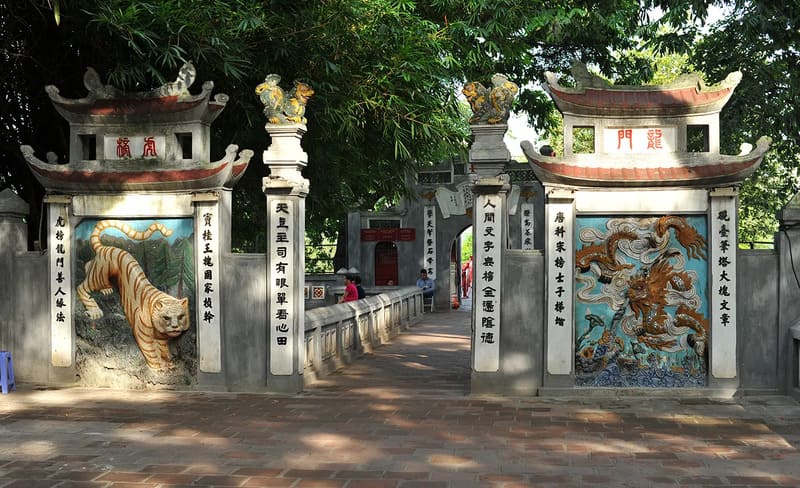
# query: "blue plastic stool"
[6,372]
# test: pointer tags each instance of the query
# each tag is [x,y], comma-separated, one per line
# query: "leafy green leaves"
[387,76]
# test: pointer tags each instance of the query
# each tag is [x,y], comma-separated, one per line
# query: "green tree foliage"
[467,240]
[762,40]
[386,74]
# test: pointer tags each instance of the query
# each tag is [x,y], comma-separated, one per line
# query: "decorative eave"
[668,170]
[239,167]
[138,175]
[169,103]
[593,96]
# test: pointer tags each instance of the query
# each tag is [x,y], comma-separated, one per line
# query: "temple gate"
[137,221]
[640,229]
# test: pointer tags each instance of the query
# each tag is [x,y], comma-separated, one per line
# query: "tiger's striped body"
[154,316]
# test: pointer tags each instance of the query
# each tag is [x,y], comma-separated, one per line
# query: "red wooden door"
[386,264]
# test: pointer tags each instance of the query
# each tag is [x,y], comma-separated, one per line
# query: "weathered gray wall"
[13,242]
[757,321]
[24,296]
[768,305]
[788,247]
[244,327]
[522,333]
[410,254]
[31,327]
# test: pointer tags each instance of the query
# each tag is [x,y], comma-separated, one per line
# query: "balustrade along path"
[400,417]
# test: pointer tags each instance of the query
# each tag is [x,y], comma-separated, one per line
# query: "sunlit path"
[429,359]
[399,418]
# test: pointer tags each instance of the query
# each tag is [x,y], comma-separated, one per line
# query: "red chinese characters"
[123,147]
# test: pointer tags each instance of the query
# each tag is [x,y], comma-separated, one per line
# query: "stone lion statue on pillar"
[490,106]
[281,108]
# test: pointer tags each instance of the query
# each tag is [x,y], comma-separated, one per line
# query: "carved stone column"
[722,257]
[286,191]
[488,156]
[489,229]
[59,243]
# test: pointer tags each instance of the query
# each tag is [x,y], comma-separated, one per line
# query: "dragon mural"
[642,282]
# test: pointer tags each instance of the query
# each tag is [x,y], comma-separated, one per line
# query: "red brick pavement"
[399,418]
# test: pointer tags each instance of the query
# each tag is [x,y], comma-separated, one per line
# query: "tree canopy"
[386,73]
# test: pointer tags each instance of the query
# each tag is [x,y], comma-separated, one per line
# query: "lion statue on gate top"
[490,106]
[281,108]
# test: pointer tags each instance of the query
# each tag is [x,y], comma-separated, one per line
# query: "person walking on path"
[466,278]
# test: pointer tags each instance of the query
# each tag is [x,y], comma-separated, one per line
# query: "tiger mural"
[154,316]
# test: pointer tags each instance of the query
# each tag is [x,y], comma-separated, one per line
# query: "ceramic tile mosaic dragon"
[641,307]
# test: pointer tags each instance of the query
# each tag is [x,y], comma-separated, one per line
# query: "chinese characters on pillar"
[560,270]
[60,237]
[723,244]
[526,226]
[282,298]
[208,244]
[429,256]
[486,293]
[134,147]
[208,307]
[639,140]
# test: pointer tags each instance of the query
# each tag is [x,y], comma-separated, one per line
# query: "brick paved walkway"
[399,418]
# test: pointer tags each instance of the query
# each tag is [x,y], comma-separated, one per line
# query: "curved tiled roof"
[594,96]
[689,169]
[101,176]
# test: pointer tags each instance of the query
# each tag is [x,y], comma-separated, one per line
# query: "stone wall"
[757,333]
[522,333]
[768,301]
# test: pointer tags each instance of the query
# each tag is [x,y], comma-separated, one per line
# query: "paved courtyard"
[399,418]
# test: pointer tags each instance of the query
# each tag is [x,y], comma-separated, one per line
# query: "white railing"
[337,334]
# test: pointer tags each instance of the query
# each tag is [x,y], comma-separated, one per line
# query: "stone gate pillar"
[60,251]
[286,191]
[722,256]
[488,156]
[489,230]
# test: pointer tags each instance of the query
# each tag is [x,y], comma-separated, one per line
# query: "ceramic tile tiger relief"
[135,288]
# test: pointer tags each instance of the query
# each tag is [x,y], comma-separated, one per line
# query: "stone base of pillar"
[289,384]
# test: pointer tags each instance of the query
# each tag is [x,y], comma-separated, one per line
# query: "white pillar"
[286,191]
[723,244]
[559,243]
[488,156]
[489,238]
[208,236]
[59,243]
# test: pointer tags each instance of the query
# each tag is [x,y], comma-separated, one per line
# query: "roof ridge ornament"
[585,79]
[99,91]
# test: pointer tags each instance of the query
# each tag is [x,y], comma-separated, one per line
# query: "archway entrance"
[386,264]
[461,270]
